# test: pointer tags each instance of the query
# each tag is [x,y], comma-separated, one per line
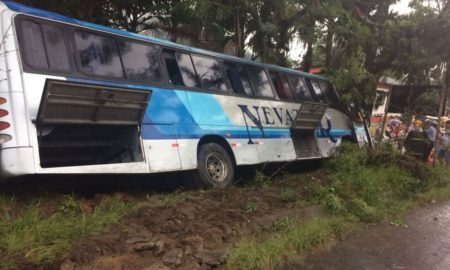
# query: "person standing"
[415,141]
[430,138]
[443,151]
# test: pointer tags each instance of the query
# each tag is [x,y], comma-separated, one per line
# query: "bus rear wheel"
[215,166]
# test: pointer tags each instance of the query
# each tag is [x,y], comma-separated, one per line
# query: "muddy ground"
[188,229]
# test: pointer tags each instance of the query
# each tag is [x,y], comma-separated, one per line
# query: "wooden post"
[386,110]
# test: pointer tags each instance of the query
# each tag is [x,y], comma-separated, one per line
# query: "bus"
[81,98]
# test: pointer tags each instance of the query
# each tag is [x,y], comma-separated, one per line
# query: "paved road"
[424,244]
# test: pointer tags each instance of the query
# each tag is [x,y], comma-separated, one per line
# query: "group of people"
[420,138]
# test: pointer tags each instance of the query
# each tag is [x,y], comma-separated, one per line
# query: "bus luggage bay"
[76,97]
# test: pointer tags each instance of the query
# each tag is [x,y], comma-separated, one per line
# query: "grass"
[292,239]
[166,200]
[288,195]
[38,239]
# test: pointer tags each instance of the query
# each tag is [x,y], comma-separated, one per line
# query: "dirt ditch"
[195,233]
[179,230]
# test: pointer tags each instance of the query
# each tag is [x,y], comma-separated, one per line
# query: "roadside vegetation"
[37,236]
[355,186]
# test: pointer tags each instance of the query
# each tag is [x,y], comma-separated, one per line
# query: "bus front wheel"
[215,166]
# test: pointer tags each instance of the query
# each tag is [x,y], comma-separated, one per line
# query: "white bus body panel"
[24,93]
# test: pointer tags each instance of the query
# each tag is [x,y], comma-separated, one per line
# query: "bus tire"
[215,167]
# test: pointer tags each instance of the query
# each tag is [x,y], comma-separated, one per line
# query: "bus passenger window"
[328,90]
[281,84]
[44,47]
[140,61]
[260,82]
[98,55]
[187,70]
[238,79]
[210,73]
[317,91]
[300,88]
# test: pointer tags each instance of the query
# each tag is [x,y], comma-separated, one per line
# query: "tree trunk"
[328,47]
[238,34]
[308,59]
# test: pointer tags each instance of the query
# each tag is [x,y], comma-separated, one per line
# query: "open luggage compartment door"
[83,124]
[303,130]
[74,103]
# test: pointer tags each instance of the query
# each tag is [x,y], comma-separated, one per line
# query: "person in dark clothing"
[415,141]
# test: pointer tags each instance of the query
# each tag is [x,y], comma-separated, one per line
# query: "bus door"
[304,130]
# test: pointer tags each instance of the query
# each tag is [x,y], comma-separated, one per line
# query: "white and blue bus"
[80,98]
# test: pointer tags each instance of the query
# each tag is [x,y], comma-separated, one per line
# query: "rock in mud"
[144,246]
[160,245]
[211,257]
[139,239]
[173,257]
[187,250]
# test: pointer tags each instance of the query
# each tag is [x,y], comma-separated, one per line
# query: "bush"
[373,184]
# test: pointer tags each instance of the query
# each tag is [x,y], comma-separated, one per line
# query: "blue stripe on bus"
[169,116]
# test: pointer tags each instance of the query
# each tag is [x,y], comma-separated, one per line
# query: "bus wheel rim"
[216,167]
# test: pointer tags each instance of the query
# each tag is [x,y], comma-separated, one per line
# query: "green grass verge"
[371,186]
[271,252]
[34,238]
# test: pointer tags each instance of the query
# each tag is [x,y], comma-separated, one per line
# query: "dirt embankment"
[184,230]
[194,233]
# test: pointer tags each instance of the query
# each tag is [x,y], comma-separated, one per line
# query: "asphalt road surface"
[422,243]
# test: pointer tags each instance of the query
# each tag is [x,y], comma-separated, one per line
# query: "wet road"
[422,244]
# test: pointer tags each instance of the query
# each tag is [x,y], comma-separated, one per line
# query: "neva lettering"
[267,116]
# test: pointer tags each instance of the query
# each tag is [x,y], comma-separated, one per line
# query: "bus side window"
[281,84]
[98,55]
[260,82]
[317,91]
[238,79]
[172,68]
[140,61]
[300,88]
[43,46]
[210,73]
[180,68]
[328,90]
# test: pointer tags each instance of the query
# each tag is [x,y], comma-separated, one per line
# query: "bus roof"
[20,8]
